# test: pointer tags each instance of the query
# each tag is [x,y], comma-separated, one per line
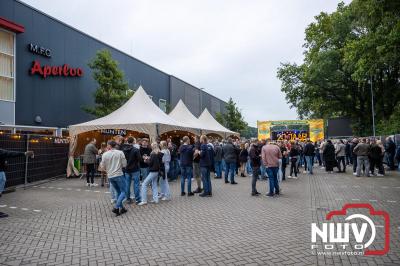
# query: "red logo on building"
[64,70]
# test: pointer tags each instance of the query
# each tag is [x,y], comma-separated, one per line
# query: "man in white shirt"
[112,162]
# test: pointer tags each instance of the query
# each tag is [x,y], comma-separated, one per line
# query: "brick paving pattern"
[64,223]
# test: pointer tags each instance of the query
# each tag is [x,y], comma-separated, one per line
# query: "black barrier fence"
[50,157]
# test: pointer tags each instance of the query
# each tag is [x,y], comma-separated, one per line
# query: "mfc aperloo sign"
[46,70]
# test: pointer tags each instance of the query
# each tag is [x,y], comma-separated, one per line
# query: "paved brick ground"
[64,223]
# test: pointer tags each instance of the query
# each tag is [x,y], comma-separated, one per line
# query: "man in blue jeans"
[206,153]
[270,155]
[230,157]
[112,162]
[4,155]
[132,170]
[309,152]
[186,161]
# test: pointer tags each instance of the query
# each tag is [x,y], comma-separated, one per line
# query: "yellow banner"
[316,129]
[264,130]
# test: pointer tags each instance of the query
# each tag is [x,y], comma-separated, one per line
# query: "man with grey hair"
[362,151]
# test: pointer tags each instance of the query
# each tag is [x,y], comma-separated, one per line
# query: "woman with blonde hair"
[154,168]
[165,193]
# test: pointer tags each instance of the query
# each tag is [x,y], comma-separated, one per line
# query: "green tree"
[112,90]
[232,117]
[344,52]
[391,125]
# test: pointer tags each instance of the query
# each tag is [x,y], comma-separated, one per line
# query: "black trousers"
[378,164]
[293,167]
[354,163]
[283,168]
[90,171]
[341,159]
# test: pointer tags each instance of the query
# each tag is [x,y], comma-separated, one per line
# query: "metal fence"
[50,157]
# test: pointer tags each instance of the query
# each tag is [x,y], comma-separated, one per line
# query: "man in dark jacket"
[230,157]
[145,151]
[89,159]
[4,155]
[255,163]
[390,149]
[376,158]
[186,160]
[354,155]
[309,152]
[132,169]
[206,157]
[362,151]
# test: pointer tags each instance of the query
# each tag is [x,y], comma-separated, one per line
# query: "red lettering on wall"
[36,68]
[54,71]
[46,71]
[72,72]
[65,70]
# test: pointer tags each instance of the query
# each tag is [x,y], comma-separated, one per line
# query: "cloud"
[230,48]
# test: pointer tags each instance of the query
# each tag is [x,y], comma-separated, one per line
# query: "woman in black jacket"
[329,156]
[294,155]
[243,155]
[154,164]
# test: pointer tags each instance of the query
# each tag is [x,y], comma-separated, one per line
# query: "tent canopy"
[182,113]
[139,113]
[213,126]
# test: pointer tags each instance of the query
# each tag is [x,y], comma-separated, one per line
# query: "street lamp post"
[372,108]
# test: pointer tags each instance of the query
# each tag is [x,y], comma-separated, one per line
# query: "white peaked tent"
[212,125]
[181,113]
[139,114]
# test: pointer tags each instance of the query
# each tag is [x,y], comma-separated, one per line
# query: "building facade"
[45,79]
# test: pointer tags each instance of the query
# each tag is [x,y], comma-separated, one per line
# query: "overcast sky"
[230,48]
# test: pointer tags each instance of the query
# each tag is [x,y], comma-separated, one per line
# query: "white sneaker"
[304,172]
[94,185]
[88,184]
[379,175]
[142,203]
[294,177]
[165,199]
[354,173]
[289,176]
[154,202]
[113,201]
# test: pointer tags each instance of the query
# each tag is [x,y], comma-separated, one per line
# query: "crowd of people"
[127,163]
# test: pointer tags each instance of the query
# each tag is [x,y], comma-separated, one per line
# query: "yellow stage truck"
[291,129]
